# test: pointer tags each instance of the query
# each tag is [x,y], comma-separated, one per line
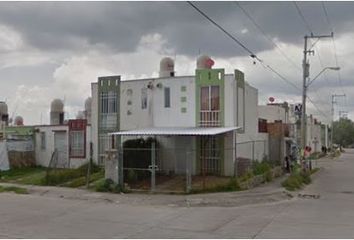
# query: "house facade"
[196,114]
[71,140]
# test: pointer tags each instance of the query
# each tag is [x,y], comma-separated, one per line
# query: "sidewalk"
[266,193]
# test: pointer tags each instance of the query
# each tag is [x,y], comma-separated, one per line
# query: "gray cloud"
[58,43]
[119,25]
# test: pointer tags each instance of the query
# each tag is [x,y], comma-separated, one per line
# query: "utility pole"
[306,74]
[332,111]
[342,114]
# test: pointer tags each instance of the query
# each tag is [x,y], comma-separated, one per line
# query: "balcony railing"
[210,119]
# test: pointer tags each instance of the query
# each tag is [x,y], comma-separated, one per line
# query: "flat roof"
[176,131]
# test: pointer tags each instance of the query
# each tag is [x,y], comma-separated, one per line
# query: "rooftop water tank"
[18,121]
[167,67]
[204,62]
[57,112]
[3,108]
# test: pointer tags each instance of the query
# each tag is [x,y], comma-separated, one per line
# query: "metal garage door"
[60,143]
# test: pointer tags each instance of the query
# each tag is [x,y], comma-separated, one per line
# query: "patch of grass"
[21,175]
[14,189]
[232,185]
[296,180]
[263,168]
[65,176]
[259,168]
[314,170]
[107,185]
[248,175]
[81,181]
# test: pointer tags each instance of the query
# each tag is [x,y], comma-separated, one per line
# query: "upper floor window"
[167,97]
[109,102]
[210,98]
[77,144]
[210,106]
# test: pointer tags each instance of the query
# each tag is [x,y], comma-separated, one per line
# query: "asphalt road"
[53,216]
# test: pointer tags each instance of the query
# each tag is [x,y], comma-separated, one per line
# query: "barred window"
[77,144]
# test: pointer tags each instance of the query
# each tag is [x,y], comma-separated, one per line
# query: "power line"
[303,18]
[265,35]
[307,25]
[318,110]
[252,55]
[334,47]
[282,77]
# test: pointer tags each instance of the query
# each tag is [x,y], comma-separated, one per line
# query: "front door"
[60,144]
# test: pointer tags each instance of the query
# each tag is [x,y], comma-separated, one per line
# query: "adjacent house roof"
[176,131]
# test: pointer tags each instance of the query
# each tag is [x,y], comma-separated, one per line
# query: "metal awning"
[176,131]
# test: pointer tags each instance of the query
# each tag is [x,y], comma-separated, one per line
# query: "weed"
[107,185]
[232,185]
[14,189]
[296,180]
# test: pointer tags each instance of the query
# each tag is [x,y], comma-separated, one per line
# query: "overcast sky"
[56,49]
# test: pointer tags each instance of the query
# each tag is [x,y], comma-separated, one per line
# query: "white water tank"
[57,112]
[3,108]
[204,62]
[167,67]
[18,121]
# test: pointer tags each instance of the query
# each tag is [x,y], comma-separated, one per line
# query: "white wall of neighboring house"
[94,121]
[272,113]
[313,137]
[43,156]
[251,144]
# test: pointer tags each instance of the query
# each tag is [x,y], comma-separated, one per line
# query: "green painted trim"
[107,84]
[19,130]
[240,78]
[240,83]
[210,77]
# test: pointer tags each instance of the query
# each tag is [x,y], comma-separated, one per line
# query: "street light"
[326,68]
[304,91]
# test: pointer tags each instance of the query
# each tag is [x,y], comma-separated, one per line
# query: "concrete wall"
[272,113]
[94,121]
[156,114]
[43,156]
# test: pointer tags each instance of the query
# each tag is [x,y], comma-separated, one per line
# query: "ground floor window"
[210,155]
[77,144]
